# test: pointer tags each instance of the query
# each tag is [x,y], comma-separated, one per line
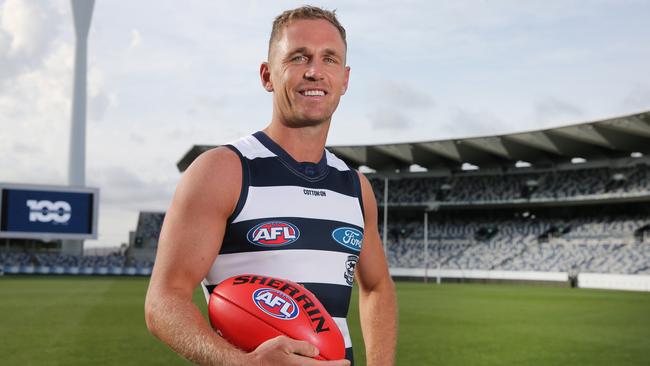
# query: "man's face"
[306,72]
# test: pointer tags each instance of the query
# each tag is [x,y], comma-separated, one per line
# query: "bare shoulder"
[365,183]
[218,163]
[214,176]
[195,222]
[368,195]
[372,268]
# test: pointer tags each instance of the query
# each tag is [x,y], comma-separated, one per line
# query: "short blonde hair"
[302,13]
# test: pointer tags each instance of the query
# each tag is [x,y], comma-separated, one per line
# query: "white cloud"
[479,122]
[401,95]
[100,99]
[388,118]
[26,23]
[27,29]
[36,103]
[551,110]
[638,98]
[136,38]
[392,104]
[124,187]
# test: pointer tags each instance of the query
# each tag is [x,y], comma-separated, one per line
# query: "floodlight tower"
[82,11]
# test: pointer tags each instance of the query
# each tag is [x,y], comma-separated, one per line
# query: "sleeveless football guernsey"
[299,221]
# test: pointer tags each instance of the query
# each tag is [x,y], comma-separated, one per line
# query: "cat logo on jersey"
[273,234]
[350,265]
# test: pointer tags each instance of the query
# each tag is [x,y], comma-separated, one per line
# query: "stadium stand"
[578,240]
[607,237]
[148,229]
[595,183]
[43,259]
[52,263]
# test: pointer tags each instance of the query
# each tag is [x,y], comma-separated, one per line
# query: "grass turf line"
[99,321]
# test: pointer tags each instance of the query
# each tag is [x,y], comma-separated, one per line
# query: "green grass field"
[99,321]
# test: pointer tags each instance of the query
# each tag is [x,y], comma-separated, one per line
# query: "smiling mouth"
[313,93]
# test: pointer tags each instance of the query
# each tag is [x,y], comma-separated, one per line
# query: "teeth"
[314,93]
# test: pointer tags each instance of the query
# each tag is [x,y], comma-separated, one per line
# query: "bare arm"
[190,240]
[377,299]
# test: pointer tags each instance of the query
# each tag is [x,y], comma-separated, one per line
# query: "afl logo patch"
[273,234]
[349,237]
[275,303]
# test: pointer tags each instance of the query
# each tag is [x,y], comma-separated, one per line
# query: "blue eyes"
[303,59]
[300,59]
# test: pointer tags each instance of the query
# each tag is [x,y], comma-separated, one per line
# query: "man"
[279,176]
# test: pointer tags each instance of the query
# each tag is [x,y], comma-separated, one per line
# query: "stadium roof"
[605,139]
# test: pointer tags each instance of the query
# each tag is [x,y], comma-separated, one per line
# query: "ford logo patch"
[349,237]
[276,303]
[273,234]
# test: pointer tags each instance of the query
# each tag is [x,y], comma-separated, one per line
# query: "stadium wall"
[604,281]
[614,281]
[74,271]
[560,277]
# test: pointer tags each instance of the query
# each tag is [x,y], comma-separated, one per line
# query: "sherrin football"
[249,309]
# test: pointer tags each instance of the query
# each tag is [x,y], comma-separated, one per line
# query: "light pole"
[82,11]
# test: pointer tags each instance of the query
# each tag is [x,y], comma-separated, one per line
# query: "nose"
[314,71]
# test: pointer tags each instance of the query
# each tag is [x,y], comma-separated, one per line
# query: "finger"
[302,348]
[330,363]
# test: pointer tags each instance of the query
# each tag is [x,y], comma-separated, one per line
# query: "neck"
[304,144]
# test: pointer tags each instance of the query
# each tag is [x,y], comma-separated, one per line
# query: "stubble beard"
[299,120]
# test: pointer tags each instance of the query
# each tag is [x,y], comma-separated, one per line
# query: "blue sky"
[164,75]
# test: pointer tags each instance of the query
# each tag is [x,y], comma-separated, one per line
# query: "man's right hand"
[283,350]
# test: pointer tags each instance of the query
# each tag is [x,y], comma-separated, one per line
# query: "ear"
[265,76]
[347,79]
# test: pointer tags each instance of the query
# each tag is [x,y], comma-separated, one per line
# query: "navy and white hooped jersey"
[298,221]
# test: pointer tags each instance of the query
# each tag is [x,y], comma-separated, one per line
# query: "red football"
[249,309]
